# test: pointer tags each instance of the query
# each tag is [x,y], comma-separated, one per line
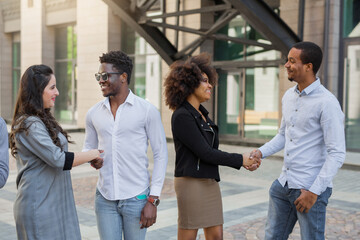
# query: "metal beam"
[265,21]
[151,34]
[241,41]
[174,27]
[147,5]
[246,64]
[215,8]
[256,12]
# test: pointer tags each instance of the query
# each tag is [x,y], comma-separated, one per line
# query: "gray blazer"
[44,207]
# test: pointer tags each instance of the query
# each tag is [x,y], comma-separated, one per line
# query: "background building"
[248,41]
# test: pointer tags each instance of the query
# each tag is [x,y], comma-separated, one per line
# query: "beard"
[291,79]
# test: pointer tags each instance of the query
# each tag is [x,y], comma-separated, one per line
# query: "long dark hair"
[30,103]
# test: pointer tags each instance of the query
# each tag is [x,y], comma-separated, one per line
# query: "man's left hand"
[305,201]
[148,215]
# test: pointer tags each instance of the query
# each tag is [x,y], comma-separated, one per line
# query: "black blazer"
[196,156]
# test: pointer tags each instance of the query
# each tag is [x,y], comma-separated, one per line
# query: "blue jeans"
[282,214]
[120,217]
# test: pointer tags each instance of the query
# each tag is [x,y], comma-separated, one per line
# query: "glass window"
[247,98]
[352,18]
[352,105]
[65,64]
[249,109]
[146,75]
[229,104]
[261,103]
[228,50]
[16,67]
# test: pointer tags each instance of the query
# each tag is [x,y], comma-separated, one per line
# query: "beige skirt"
[199,202]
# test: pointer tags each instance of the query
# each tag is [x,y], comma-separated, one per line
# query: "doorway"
[248,103]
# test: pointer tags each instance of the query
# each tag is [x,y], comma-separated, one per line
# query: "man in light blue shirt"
[312,136]
[4,153]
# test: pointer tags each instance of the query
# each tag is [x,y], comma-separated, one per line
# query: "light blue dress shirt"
[4,153]
[312,136]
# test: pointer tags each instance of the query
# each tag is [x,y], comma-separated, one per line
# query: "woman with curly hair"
[44,207]
[188,84]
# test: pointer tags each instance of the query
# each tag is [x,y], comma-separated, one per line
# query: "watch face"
[156,202]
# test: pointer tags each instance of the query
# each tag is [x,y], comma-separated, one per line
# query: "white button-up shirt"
[125,143]
[312,135]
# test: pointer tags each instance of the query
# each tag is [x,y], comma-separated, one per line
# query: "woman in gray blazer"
[44,207]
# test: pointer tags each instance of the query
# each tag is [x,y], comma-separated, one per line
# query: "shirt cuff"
[263,152]
[317,188]
[155,191]
[69,159]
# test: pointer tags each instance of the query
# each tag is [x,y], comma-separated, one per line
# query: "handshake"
[252,160]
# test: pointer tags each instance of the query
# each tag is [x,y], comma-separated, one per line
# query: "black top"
[196,145]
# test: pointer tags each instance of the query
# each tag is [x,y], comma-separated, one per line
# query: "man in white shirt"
[313,138]
[122,125]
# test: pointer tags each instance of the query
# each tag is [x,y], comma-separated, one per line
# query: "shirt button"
[290,140]
[293,125]
[287,154]
[287,169]
[295,110]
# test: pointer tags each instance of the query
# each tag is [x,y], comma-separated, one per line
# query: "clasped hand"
[252,160]
[98,162]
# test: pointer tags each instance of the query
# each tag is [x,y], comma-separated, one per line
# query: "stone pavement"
[244,193]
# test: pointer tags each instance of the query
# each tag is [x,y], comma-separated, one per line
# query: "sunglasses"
[105,75]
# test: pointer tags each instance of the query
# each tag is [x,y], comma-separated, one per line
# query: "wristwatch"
[154,201]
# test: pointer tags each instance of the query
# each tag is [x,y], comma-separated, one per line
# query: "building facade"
[70,35]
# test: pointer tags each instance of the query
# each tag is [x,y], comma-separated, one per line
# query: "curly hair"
[30,103]
[185,76]
[120,61]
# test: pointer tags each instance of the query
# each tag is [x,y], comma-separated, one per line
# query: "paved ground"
[245,201]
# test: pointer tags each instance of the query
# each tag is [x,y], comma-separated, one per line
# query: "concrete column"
[5,72]
[92,40]
[37,40]
[31,33]
[333,60]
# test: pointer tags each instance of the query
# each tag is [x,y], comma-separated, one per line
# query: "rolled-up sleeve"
[4,153]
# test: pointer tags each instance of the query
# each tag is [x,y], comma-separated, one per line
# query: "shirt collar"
[309,88]
[129,99]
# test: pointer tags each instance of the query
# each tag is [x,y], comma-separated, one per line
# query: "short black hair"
[120,60]
[310,53]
